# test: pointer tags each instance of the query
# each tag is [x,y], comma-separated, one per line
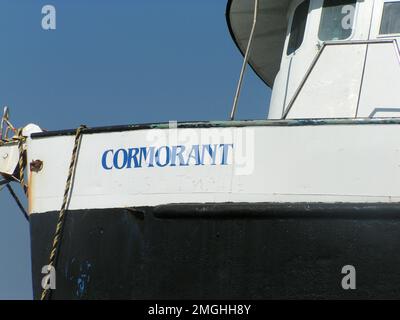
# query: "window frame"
[289,29]
[353,29]
[386,35]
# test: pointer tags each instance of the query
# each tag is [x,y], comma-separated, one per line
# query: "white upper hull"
[335,162]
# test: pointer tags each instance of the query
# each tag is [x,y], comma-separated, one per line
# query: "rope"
[4,139]
[19,204]
[46,293]
[21,141]
[21,161]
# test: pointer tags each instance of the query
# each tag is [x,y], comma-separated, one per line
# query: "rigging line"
[19,204]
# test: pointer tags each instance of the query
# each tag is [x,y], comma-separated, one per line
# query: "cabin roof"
[269,37]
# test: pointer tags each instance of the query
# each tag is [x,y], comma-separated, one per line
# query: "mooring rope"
[46,293]
[21,162]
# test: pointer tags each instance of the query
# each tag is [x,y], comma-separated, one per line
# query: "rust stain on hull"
[30,192]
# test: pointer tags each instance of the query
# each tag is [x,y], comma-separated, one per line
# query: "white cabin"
[324,58]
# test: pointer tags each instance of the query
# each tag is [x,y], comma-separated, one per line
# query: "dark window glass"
[337,19]
[298,27]
[391,18]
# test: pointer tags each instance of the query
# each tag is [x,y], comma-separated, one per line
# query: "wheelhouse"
[323,58]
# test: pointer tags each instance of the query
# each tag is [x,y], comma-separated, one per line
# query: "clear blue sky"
[112,62]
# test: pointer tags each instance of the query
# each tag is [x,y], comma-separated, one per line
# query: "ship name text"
[172,156]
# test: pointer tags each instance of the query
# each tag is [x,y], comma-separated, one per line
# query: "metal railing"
[245,61]
[321,50]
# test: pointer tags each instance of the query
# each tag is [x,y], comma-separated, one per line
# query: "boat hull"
[222,251]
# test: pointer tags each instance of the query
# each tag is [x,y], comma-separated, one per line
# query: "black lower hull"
[222,251]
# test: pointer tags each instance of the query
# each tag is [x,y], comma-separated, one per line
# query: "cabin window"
[298,27]
[390,18]
[337,19]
